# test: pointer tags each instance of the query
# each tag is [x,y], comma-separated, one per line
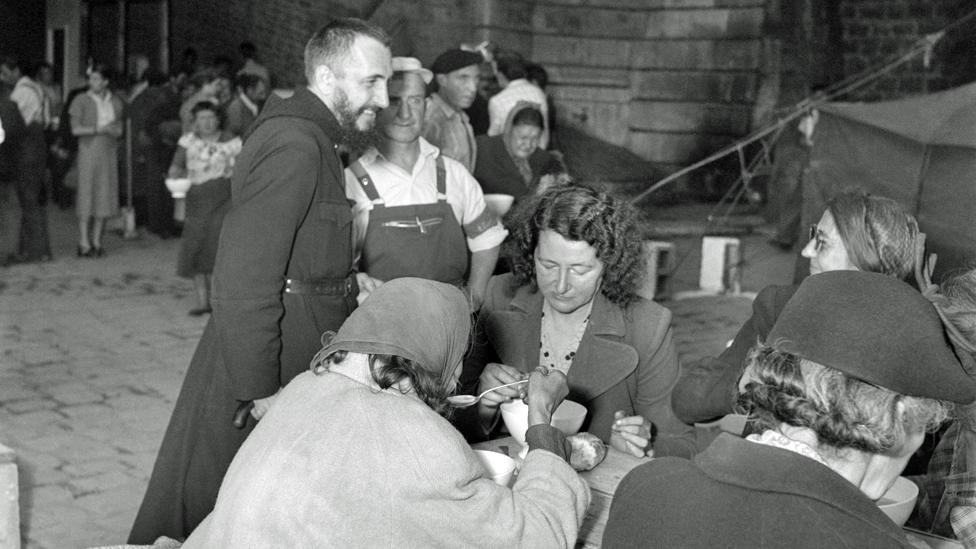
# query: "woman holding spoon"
[570,304]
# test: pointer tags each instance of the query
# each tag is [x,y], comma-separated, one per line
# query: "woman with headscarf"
[857,232]
[355,452]
[512,162]
[571,304]
[851,376]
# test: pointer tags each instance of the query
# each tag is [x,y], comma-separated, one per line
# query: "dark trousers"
[34,243]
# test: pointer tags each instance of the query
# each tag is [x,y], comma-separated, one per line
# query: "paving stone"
[30,405]
[98,483]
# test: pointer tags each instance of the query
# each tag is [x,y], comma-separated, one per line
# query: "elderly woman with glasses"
[857,232]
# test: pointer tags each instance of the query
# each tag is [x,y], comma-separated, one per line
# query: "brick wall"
[280,28]
[873,30]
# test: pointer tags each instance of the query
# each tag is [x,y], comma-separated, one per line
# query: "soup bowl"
[899,500]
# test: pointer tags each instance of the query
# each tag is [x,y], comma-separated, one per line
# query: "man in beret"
[446,125]
[417,212]
[853,373]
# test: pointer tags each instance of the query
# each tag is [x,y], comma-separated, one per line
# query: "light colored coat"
[335,463]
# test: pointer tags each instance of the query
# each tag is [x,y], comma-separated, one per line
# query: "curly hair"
[388,370]
[582,214]
[878,233]
[844,412]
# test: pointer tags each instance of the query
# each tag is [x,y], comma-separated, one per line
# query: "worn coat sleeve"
[255,248]
[657,374]
[706,390]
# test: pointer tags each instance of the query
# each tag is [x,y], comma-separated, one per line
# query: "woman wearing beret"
[355,452]
[571,304]
[856,232]
[851,376]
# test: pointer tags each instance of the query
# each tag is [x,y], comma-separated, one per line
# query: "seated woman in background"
[856,232]
[512,162]
[206,156]
[571,304]
[355,452]
[851,376]
[946,503]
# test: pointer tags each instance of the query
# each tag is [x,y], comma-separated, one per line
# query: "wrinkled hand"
[366,286]
[630,434]
[494,375]
[547,389]
[262,405]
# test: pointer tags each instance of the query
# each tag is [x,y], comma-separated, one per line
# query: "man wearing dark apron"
[417,212]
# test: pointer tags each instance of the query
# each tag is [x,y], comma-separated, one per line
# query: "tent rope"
[922,46]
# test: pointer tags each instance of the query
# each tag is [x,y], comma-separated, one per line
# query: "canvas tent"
[920,151]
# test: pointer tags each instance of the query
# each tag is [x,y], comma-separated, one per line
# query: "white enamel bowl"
[178,186]
[568,418]
[899,500]
[499,203]
[498,467]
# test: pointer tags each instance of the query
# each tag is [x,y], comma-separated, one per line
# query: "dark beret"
[452,60]
[874,328]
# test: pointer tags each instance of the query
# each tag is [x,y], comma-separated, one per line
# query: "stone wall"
[671,80]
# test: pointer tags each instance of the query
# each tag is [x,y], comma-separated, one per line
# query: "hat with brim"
[874,328]
[412,64]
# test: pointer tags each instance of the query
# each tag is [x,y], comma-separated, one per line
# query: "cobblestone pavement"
[92,354]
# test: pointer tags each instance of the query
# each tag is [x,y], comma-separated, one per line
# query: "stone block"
[663,116]
[674,148]
[725,87]
[505,14]
[593,52]
[696,54]
[9,500]
[588,76]
[705,23]
[601,119]
[594,22]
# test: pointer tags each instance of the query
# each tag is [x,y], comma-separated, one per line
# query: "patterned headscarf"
[425,321]
[878,233]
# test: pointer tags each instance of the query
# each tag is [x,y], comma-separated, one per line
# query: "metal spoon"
[463,401]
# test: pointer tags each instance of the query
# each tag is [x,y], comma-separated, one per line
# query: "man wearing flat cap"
[417,212]
[855,370]
[446,125]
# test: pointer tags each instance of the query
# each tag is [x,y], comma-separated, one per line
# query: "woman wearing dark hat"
[355,454]
[857,232]
[851,376]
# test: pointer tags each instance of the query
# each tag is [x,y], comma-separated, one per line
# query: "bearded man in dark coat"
[283,274]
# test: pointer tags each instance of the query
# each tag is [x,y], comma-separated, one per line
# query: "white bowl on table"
[568,418]
[899,501]
[498,467]
[499,203]
[178,186]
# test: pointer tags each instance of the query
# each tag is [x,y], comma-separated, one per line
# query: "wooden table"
[603,481]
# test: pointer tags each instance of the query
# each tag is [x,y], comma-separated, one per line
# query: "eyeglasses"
[818,241]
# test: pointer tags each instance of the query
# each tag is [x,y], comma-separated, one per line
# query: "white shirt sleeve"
[2,134]
[28,103]
[496,116]
[468,202]
[360,214]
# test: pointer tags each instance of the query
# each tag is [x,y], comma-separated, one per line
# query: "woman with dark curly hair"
[857,232]
[571,304]
[355,452]
[852,375]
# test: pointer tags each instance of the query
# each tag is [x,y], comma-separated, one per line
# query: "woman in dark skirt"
[205,156]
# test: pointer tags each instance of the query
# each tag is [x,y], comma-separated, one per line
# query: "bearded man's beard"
[354,139]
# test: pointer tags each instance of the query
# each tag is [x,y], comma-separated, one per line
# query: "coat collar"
[602,360]
[735,461]
[302,104]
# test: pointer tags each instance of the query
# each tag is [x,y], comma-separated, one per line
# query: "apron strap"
[441,180]
[366,182]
